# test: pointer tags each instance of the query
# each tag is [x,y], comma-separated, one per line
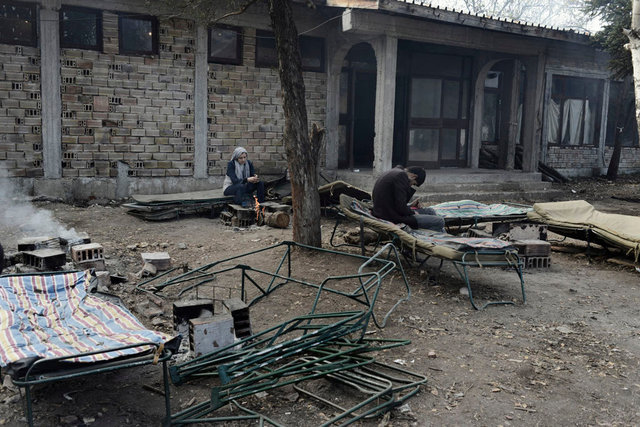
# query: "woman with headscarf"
[241,179]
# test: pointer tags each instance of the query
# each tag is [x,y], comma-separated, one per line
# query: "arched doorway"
[502,112]
[357,108]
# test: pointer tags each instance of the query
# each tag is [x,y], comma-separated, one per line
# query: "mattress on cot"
[53,315]
[441,245]
[469,211]
[573,216]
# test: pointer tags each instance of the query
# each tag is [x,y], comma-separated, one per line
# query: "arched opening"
[502,112]
[357,108]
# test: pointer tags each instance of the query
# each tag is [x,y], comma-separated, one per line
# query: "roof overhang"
[418,10]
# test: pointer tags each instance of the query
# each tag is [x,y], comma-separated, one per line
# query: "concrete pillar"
[532,120]
[338,50]
[50,89]
[544,145]
[200,105]
[386,49]
[482,67]
[512,128]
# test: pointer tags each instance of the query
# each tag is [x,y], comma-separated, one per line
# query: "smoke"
[18,215]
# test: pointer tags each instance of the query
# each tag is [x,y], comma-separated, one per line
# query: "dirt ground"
[569,356]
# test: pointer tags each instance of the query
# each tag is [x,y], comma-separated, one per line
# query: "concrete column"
[483,66]
[532,121]
[512,128]
[200,105]
[334,67]
[50,88]
[544,145]
[386,49]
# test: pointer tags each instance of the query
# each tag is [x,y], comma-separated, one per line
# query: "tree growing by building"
[619,37]
[302,148]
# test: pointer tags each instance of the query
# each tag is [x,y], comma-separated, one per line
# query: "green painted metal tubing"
[222,394]
[254,343]
[371,379]
[28,379]
[464,263]
[251,415]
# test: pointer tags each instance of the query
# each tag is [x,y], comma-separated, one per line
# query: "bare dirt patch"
[570,355]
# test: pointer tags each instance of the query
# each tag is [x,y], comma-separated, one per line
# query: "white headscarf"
[242,171]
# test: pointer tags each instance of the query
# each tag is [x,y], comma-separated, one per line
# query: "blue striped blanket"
[53,315]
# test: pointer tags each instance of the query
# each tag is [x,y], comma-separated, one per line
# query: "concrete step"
[475,184]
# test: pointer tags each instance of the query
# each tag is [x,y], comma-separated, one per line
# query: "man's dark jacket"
[391,193]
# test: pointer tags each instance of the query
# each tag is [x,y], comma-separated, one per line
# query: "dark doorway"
[357,108]
[364,119]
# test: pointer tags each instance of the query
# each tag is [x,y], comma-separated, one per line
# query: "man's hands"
[253,179]
[415,204]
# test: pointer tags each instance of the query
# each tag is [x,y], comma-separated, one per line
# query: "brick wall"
[573,157]
[139,109]
[136,109]
[245,109]
[584,161]
[629,159]
[20,111]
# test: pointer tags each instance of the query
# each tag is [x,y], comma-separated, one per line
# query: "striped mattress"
[50,316]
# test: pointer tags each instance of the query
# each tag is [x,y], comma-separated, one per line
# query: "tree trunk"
[624,111]
[634,47]
[301,149]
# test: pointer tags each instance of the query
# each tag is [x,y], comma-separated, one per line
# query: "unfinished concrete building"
[101,99]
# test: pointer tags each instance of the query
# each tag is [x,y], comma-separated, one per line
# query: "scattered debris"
[160,260]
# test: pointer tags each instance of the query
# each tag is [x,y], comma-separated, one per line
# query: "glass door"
[438,111]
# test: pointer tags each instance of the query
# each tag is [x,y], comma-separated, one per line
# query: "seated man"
[391,193]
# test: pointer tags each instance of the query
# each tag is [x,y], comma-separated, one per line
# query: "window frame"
[597,129]
[263,34]
[154,38]
[323,50]
[99,33]
[33,42]
[239,45]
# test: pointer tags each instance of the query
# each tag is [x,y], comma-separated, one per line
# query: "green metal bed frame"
[467,259]
[40,372]
[34,376]
[313,345]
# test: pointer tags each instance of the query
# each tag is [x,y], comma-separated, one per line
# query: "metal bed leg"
[465,276]
[362,236]
[28,408]
[167,394]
